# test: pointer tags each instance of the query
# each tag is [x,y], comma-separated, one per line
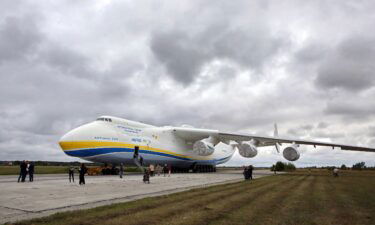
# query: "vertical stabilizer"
[276,134]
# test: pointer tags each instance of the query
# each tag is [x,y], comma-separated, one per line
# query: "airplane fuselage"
[114,140]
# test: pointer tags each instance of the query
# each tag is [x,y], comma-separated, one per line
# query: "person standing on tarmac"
[169,170]
[251,172]
[152,170]
[165,169]
[31,172]
[246,172]
[82,172]
[23,170]
[158,169]
[146,176]
[121,170]
[71,174]
[20,176]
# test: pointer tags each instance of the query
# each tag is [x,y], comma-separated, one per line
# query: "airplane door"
[136,152]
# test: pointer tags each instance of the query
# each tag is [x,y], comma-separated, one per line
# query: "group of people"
[151,170]
[82,171]
[26,168]
[248,172]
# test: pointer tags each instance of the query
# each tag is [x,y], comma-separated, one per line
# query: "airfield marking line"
[22,210]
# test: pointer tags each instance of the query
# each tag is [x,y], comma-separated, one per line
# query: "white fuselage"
[114,140]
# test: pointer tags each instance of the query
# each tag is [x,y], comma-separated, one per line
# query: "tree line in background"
[279,166]
[48,163]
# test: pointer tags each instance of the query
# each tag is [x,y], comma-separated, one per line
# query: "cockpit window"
[105,119]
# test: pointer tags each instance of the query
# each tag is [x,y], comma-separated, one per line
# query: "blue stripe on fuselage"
[102,151]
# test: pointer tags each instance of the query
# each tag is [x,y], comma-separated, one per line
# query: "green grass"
[297,198]
[14,170]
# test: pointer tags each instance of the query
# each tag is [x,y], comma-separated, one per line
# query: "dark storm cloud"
[350,66]
[322,125]
[184,54]
[307,127]
[181,56]
[358,109]
[67,61]
[311,53]
[18,37]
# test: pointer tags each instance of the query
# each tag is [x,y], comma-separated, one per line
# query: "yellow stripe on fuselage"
[75,145]
[81,145]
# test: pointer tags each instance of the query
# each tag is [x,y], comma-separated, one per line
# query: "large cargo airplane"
[114,140]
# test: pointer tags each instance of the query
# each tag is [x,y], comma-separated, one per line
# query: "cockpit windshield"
[104,119]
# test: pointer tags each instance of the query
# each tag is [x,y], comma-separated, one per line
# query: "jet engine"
[247,149]
[203,147]
[291,153]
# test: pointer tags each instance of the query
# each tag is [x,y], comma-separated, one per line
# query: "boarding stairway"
[138,160]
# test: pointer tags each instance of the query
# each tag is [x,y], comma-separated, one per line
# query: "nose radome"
[84,132]
[87,132]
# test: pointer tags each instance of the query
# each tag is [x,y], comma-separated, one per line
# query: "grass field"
[295,198]
[14,170]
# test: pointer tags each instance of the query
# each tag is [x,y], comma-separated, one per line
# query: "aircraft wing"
[271,141]
[195,134]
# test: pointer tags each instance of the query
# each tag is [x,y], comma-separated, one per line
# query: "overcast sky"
[229,65]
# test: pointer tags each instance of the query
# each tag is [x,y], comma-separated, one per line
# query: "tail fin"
[276,134]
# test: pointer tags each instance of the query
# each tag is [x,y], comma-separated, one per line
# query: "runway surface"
[49,194]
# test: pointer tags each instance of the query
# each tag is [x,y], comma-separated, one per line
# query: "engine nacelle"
[247,149]
[291,153]
[203,147]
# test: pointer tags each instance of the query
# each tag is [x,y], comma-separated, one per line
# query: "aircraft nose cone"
[73,137]
[86,137]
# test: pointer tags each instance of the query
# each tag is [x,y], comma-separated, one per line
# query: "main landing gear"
[204,169]
[195,169]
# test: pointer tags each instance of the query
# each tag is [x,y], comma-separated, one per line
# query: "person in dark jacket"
[82,172]
[23,170]
[121,170]
[146,176]
[71,174]
[251,168]
[20,176]
[246,172]
[31,172]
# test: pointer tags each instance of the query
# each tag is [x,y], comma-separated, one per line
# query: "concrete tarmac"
[49,194]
